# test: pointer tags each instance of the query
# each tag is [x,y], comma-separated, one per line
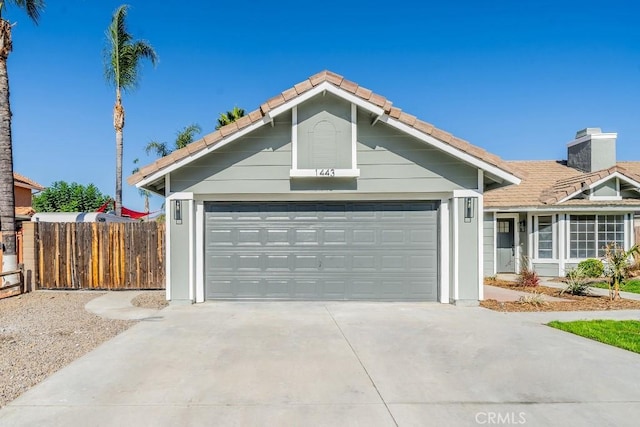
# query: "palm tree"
[123,57]
[183,138]
[229,117]
[32,8]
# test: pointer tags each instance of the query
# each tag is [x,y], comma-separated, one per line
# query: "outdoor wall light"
[469,211]
[523,225]
[177,211]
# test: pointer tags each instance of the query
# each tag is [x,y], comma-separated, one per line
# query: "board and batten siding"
[547,269]
[390,161]
[488,244]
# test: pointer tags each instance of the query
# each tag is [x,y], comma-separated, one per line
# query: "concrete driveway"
[359,364]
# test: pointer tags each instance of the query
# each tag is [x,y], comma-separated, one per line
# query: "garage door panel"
[367,251]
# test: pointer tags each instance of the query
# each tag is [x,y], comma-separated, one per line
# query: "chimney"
[592,150]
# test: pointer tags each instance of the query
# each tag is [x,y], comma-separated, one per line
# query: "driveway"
[359,364]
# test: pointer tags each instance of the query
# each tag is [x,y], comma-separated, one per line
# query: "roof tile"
[395,112]
[407,119]
[255,115]
[289,93]
[441,135]
[229,129]
[423,127]
[349,86]
[303,86]
[276,101]
[377,100]
[363,93]
[316,79]
[334,78]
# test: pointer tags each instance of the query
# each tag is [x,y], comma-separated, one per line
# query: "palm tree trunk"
[7,196]
[118,124]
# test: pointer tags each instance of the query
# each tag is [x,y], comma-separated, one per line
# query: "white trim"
[354,137]
[605,198]
[444,251]
[314,173]
[632,231]
[192,261]
[456,246]
[562,242]
[167,249]
[480,216]
[571,208]
[617,175]
[466,193]
[180,196]
[451,150]
[199,250]
[294,137]
[529,238]
[628,226]
[224,141]
[588,137]
[319,196]
[328,87]
[495,243]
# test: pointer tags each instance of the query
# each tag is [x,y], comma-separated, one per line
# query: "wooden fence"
[99,255]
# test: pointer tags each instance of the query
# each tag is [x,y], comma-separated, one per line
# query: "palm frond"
[33,8]
[187,135]
[159,148]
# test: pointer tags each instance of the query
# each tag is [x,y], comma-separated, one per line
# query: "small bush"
[592,267]
[535,298]
[528,277]
[577,282]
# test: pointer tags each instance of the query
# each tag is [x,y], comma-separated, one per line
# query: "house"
[563,211]
[329,192]
[23,188]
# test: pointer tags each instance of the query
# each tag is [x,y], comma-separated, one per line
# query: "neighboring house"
[23,188]
[563,211]
[326,192]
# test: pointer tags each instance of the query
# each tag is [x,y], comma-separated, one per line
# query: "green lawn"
[620,333]
[630,286]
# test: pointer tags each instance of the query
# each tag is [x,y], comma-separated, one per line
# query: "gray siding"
[324,133]
[606,189]
[547,270]
[488,243]
[389,161]
[468,279]
[179,244]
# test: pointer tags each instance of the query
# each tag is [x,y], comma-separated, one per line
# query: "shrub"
[618,266]
[527,276]
[577,282]
[535,299]
[591,267]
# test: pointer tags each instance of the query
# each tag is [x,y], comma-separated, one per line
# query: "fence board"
[100,256]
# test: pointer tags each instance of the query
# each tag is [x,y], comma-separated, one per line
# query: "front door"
[506,250]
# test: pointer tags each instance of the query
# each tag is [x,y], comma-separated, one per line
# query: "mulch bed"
[576,303]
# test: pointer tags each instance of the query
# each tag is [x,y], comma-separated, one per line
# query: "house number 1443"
[326,172]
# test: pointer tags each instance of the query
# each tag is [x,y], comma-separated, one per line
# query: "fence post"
[29,254]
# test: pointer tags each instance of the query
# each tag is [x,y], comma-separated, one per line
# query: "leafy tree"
[123,57]
[64,197]
[229,117]
[32,8]
[183,138]
[618,266]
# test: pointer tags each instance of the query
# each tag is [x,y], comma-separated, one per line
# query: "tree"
[183,138]
[229,117]
[123,56]
[74,197]
[617,266]
[32,8]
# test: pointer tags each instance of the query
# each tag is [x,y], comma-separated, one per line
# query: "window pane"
[610,231]
[545,237]
[582,238]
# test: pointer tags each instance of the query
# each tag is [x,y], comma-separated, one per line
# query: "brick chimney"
[592,150]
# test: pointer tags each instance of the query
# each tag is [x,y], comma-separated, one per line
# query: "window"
[503,227]
[589,234]
[545,237]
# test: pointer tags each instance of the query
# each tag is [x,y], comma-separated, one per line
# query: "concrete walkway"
[117,305]
[339,364]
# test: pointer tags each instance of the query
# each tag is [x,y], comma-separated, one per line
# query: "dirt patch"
[575,303]
[43,331]
[151,299]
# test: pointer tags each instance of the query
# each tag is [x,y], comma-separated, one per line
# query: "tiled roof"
[299,89]
[24,211]
[546,182]
[26,182]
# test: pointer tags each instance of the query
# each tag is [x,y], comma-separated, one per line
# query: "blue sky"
[514,77]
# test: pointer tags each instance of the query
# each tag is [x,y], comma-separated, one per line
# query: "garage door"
[321,251]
